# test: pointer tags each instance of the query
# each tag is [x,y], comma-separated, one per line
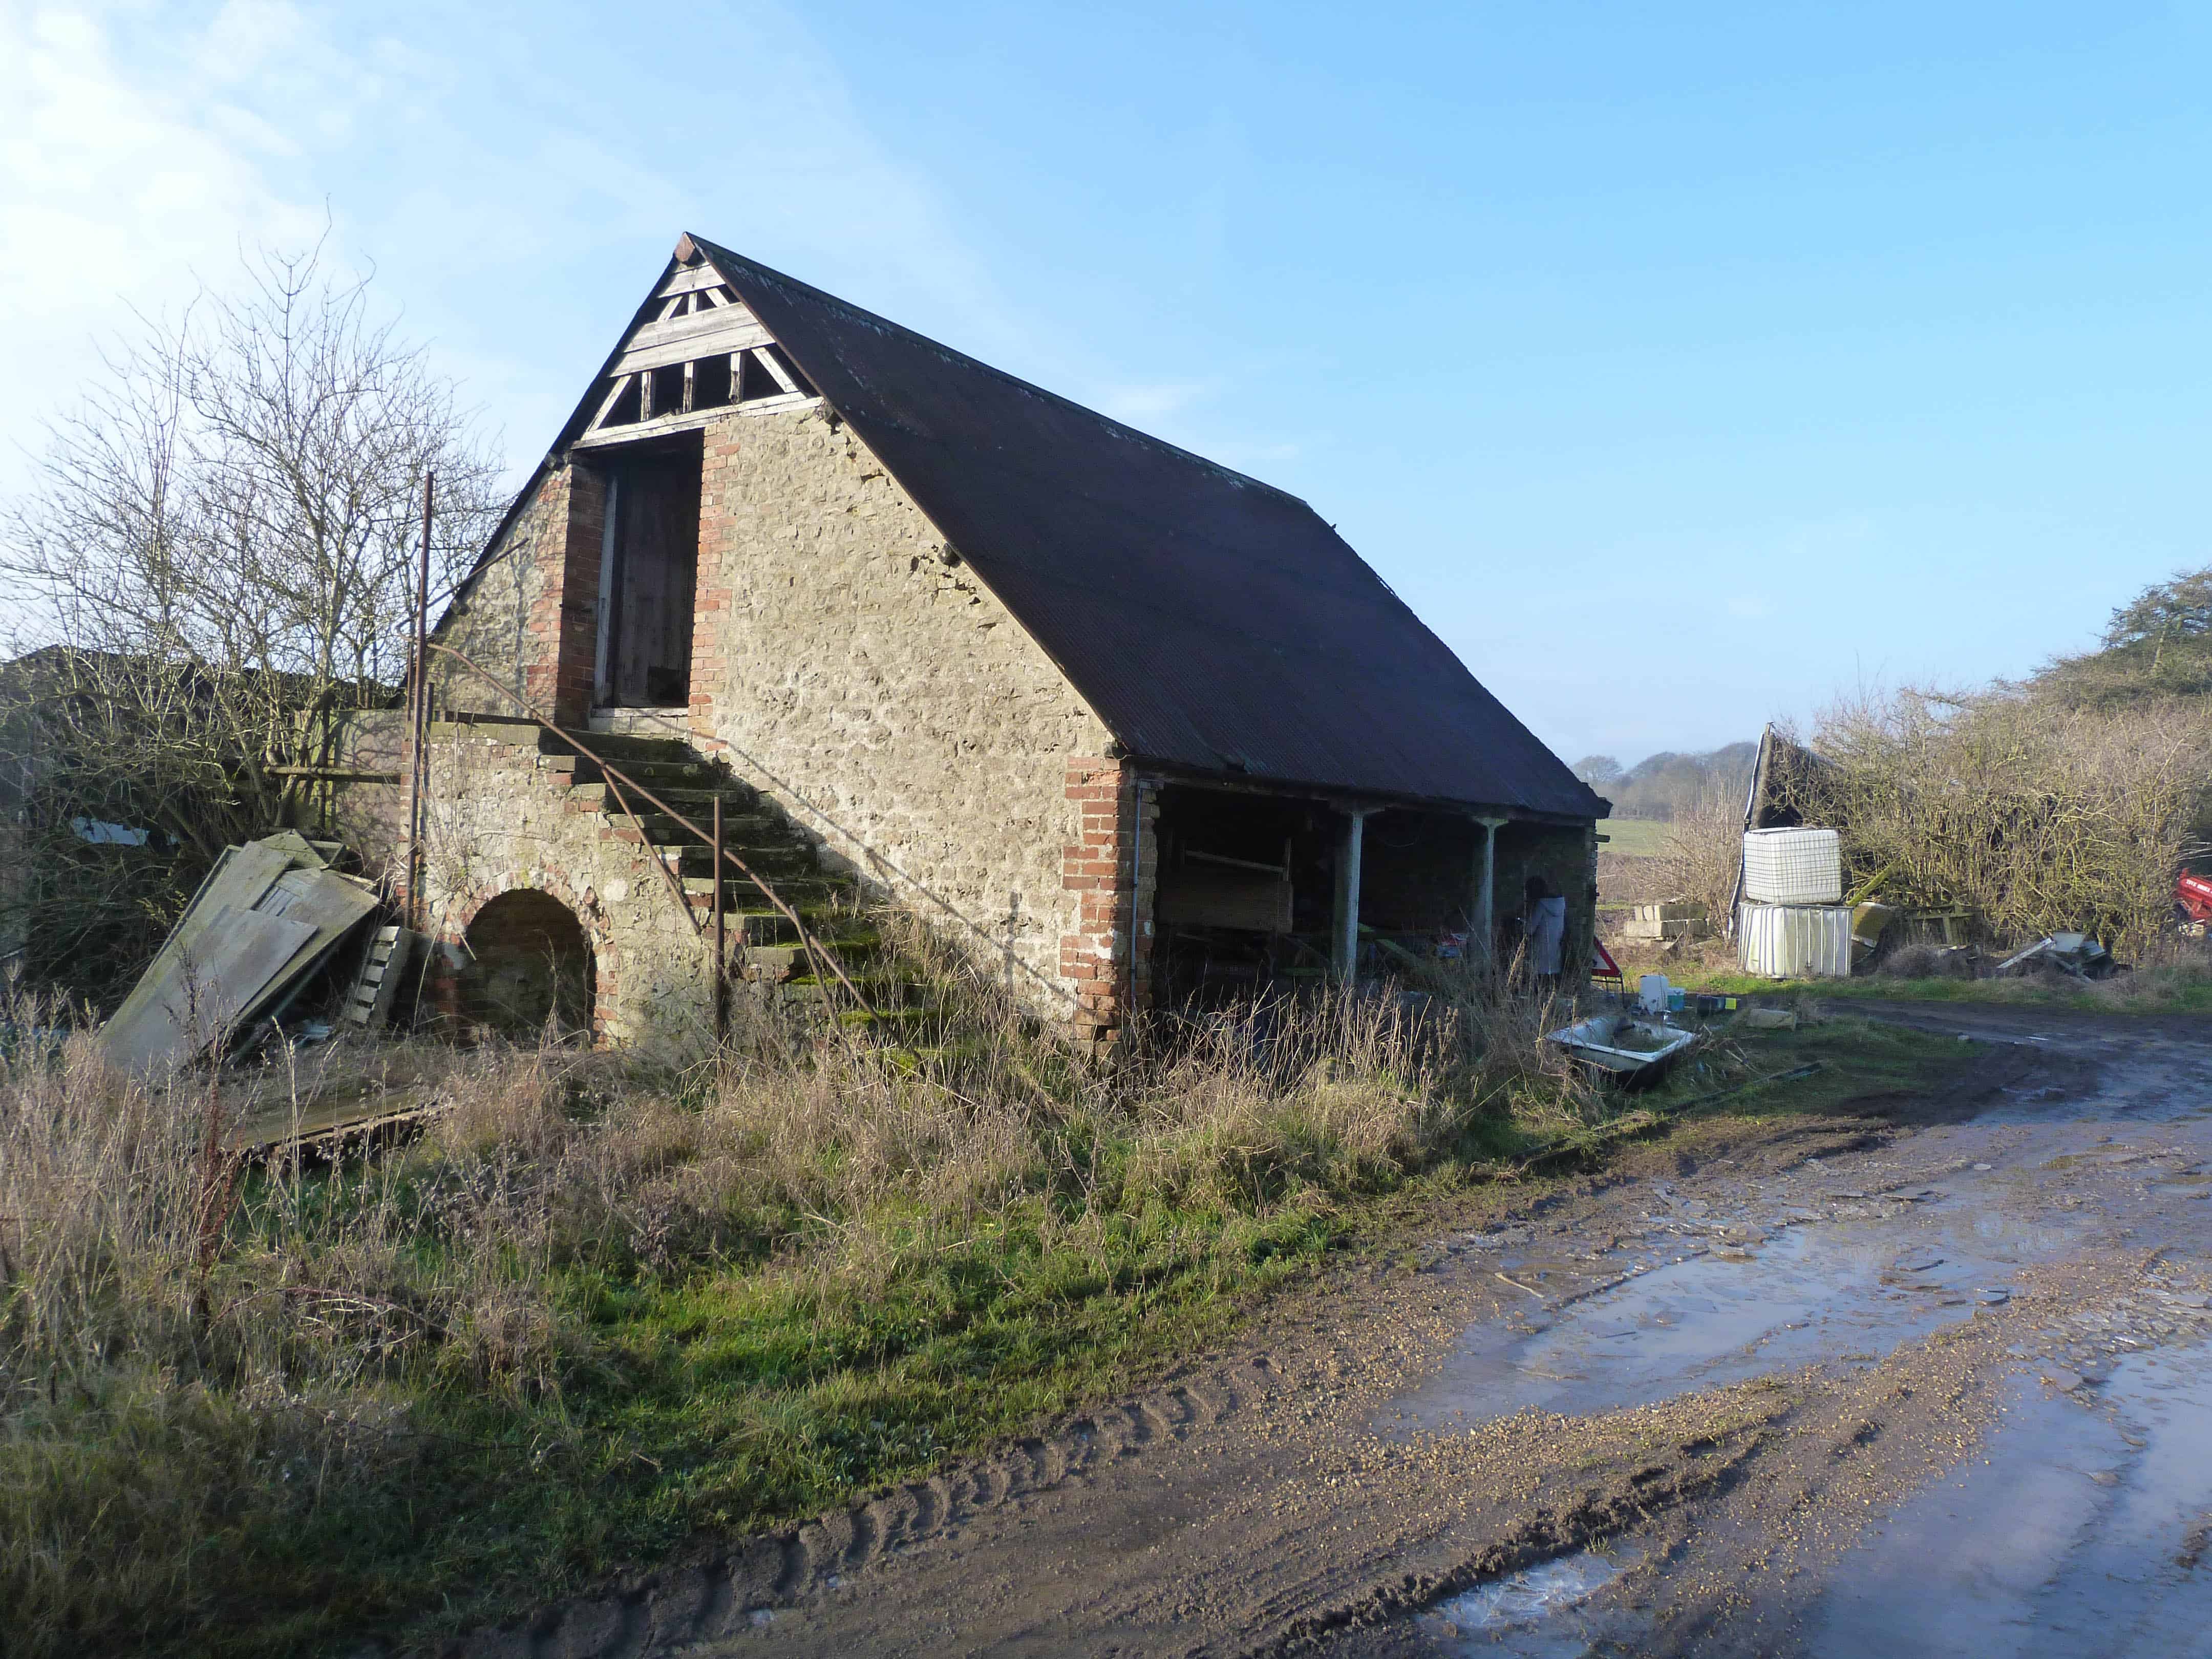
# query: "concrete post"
[1344,932]
[1486,910]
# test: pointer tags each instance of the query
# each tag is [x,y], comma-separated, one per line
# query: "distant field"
[1639,838]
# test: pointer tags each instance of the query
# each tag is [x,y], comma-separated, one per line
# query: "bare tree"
[2034,817]
[215,569]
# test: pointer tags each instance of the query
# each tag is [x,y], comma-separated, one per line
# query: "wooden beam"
[333,774]
[697,418]
[644,398]
[690,386]
[782,379]
[689,280]
[620,385]
[1344,930]
[681,339]
[684,328]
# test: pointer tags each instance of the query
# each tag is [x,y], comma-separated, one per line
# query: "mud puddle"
[1837,1292]
[1543,1612]
[2081,1531]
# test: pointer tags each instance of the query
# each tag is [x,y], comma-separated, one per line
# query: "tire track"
[734,1589]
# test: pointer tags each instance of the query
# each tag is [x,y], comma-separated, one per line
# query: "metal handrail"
[806,938]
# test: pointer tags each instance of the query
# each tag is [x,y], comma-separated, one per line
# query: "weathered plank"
[698,417]
[684,339]
[206,990]
[688,281]
[241,877]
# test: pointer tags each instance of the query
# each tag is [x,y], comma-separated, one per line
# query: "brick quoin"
[1112,871]
[575,599]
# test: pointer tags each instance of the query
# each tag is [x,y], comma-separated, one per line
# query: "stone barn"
[1128,728]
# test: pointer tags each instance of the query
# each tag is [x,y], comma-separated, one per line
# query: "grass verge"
[597,1314]
[2158,989]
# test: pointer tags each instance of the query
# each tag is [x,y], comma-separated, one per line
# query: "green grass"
[723,1402]
[1635,838]
[1748,1075]
[751,1385]
[2150,991]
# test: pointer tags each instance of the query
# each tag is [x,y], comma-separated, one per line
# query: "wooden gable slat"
[686,339]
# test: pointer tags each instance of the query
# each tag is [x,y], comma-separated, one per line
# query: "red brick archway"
[529,973]
[533,920]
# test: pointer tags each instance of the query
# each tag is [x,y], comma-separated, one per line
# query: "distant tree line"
[1668,786]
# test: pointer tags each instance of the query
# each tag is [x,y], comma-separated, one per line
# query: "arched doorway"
[530,970]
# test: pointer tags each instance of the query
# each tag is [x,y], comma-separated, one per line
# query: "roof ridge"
[716,252]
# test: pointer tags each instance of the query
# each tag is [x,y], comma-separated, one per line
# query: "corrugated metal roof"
[1214,622]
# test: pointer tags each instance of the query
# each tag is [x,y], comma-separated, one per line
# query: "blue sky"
[1681,366]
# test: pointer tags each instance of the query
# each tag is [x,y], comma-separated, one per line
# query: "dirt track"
[1926,1381]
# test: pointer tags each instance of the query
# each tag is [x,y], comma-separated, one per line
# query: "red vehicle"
[2192,899]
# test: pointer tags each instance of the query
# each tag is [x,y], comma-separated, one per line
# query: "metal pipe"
[721,943]
[419,723]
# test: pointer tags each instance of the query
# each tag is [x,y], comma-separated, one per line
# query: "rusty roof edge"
[1268,783]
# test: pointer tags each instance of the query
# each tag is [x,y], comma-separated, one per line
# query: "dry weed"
[2039,818]
[192,1350]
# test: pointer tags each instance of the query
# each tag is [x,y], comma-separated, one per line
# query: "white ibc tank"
[1794,941]
[1793,867]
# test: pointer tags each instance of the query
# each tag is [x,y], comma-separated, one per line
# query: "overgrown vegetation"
[212,571]
[2177,983]
[593,1313]
[2036,816]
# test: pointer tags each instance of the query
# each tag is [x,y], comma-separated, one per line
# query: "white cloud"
[1137,403]
[148,140]
[114,189]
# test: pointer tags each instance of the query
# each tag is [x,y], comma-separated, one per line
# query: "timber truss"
[700,354]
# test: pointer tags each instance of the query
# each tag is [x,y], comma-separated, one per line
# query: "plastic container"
[1793,867]
[1794,941]
[1651,993]
[1676,997]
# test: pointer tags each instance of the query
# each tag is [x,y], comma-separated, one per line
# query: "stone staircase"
[767,958]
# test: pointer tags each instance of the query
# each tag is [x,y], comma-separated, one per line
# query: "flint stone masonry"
[849,664]
[846,663]
[499,816]
[530,617]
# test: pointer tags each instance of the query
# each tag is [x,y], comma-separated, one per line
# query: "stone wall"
[1566,855]
[500,815]
[846,663]
[529,615]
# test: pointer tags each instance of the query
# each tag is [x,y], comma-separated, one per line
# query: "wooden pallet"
[368,1004]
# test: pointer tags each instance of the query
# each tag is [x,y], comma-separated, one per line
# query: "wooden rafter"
[607,402]
[690,277]
[681,421]
[694,316]
[783,376]
[686,339]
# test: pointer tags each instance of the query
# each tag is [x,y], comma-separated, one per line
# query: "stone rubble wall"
[498,815]
[851,666]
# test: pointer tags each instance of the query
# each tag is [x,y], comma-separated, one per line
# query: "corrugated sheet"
[1214,622]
